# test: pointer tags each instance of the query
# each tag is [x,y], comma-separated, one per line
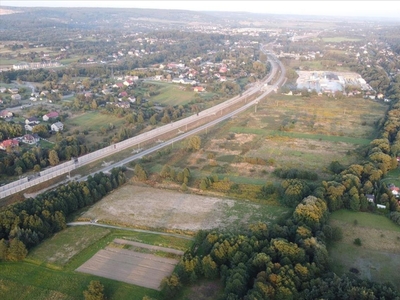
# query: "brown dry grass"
[146,207]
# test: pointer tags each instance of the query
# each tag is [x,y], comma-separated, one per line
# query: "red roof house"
[8,143]
[50,115]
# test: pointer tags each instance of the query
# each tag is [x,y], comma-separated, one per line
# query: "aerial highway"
[202,120]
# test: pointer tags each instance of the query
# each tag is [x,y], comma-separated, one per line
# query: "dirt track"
[141,269]
[150,247]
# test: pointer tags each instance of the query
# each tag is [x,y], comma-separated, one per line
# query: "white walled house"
[58,126]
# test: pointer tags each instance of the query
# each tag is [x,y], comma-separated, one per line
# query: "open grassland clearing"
[98,125]
[60,248]
[172,94]
[392,176]
[5,50]
[202,290]
[378,257]
[340,39]
[139,206]
[22,280]
[300,132]
[352,117]
[284,132]
[71,247]
[317,65]
[92,121]
[131,266]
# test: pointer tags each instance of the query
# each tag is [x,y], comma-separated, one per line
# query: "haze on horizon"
[377,9]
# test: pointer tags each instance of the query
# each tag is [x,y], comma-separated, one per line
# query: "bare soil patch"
[128,266]
[148,207]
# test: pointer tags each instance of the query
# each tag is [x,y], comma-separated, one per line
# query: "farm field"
[139,206]
[134,267]
[378,258]
[48,272]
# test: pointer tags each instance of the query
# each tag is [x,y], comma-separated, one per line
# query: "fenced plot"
[129,266]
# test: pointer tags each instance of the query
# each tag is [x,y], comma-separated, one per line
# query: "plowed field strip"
[141,269]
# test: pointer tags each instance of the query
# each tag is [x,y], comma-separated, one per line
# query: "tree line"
[25,224]
[37,158]
[288,260]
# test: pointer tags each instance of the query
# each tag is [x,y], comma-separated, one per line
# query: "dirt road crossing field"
[150,247]
[141,269]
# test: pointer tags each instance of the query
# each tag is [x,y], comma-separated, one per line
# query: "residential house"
[8,143]
[223,69]
[31,139]
[172,65]
[132,99]
[6,114]
[32,120]
[58,126]
[30,126]
[50,115]
[188,81]
[105,91]
[13,90]
[16,97]
[118,85]
[370,198]
[177,80]
[123,104]
[123,94]
[394,189]
[128,82]
[199,89]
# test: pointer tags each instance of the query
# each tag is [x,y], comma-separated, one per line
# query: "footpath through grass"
[378,257]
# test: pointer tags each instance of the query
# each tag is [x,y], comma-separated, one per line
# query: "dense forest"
[25,224]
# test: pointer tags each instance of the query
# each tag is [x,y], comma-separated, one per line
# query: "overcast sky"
[382,9]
